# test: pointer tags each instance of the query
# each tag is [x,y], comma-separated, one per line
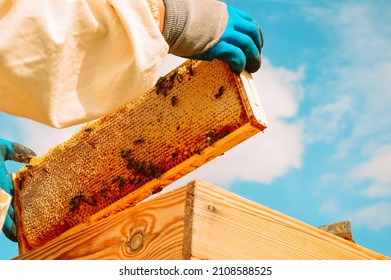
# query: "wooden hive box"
[200,221]
[193,114]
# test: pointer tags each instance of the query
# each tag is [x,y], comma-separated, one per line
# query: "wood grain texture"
[194,114]
[199,221]
[5,200]
[226,226]
[150,230]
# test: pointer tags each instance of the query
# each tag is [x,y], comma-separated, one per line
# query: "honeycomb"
[193,114]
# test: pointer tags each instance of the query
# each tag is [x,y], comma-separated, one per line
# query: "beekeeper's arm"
[68,62]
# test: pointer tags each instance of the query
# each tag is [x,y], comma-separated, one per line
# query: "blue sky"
[325,85]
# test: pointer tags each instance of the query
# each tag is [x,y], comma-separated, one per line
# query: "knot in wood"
[136,241]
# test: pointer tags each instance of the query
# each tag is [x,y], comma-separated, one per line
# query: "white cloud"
[376,216]
[355,117]
[357,65]
[327,121]
[377,170]
[352,107]
[329,207]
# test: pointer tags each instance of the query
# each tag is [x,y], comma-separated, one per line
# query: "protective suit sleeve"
[68,62]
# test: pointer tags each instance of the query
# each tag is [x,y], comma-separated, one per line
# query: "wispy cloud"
[351,110]
[357,63]
[377,170]
[326,122]
[376,216]
[355,117]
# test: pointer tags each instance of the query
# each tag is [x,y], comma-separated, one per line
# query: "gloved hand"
[208,29]
[19,153]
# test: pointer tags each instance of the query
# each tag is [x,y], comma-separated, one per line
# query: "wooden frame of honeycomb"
[192,115]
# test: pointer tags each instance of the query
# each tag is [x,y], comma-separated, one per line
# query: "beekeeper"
[67,62]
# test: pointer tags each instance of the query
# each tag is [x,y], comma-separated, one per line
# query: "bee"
[163,84]
[92,144]
[121,184]
[75,203]
[174,101]
[223,134]
[191,70]
[138,167]
[160,85]
[88,129]
[199,151]
[220,93]
[77,200]
[210,137]
[157,190]
[137,181]
[210,141]
[125,153]
[103,191]
[130,163]
[138,141]
[153,171]
[172,77]
[22,178]
[116,179]
[179,78]
[174,155]
[92,202]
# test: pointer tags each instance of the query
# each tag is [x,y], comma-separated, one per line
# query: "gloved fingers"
[20,153]
[253,64]
[9,228]
[251,29]
[231,55]
[245,43]
[245,24]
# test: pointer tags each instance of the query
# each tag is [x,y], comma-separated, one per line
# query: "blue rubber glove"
[209,29]
[240,45]
[19,153]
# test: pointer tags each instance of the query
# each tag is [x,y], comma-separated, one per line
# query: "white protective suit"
[72,61]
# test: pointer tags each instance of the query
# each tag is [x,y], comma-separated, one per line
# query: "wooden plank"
[5,201]
[226,226]
[194,114]
[199,221]
[150,230]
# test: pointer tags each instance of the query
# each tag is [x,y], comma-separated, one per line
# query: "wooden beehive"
[200,221]
[193,114]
